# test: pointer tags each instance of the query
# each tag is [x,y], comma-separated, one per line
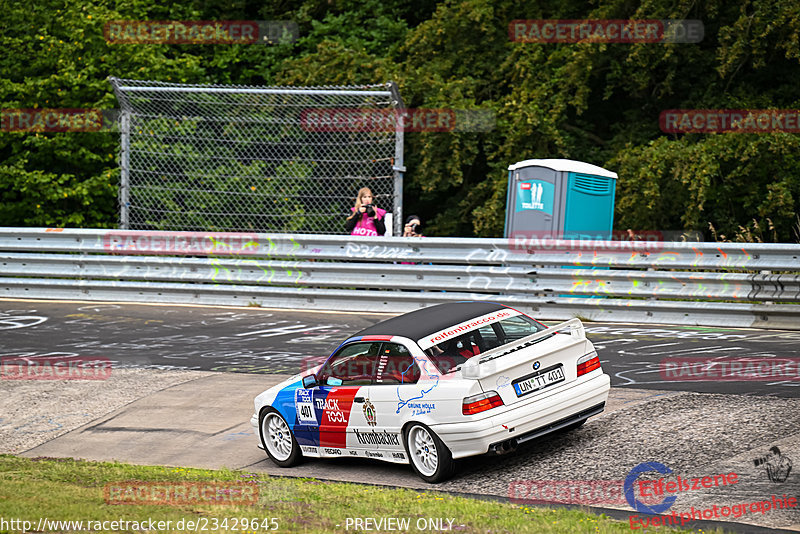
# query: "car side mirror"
[309,381]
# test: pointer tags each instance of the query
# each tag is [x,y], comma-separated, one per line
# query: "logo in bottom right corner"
[777,465]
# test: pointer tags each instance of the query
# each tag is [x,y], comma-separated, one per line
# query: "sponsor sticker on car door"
[335,405]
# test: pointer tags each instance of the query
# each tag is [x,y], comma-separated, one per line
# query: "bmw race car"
[434,385]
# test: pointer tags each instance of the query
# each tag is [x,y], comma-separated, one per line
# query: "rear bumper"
[533,419]
[558,425]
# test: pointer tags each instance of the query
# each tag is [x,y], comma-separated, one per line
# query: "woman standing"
[366,219]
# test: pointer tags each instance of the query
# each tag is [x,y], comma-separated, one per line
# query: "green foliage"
[592,102]
[728,179]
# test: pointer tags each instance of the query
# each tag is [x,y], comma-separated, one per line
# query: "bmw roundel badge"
[535,365]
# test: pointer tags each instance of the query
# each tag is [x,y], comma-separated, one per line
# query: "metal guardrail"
[722,284]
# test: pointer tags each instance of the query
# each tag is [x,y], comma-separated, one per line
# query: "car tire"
[278,440]
[428,455]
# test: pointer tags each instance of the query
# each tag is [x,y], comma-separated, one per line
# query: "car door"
[344,377]
[396,375]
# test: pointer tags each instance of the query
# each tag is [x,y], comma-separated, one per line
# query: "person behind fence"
[413,227]
[366,219]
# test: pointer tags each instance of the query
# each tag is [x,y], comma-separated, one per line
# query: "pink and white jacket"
[366,224]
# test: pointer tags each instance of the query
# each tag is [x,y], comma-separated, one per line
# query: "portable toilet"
[560,198]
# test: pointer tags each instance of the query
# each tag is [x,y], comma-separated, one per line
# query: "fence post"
[398,167]
[124,167]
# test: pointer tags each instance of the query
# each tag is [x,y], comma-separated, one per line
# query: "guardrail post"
[768,273]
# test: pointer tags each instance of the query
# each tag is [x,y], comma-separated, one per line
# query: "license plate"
[539,380]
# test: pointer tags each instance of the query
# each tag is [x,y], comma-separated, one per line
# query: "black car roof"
[420,323]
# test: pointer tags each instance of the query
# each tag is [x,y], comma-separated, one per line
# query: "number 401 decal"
[305,408]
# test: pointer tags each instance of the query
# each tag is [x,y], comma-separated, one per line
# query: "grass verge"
[74,490]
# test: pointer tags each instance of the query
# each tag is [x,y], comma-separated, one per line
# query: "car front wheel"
[430,457]
[278,440]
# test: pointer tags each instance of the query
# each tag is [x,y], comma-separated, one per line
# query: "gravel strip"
[33,412]
[693,434]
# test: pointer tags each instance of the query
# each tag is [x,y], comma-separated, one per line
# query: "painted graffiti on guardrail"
[690,282]
[181,243]
[360,250]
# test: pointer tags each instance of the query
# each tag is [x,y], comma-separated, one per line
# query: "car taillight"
[588,363]
[481,403]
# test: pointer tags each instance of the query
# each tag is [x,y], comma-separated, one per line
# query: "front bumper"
[254,424]
[533,419]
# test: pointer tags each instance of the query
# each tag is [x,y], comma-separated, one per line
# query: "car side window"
[486,337]
[518,327]
[396,365]
[353,365]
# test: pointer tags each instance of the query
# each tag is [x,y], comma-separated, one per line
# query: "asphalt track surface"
[694,428]
[254,340]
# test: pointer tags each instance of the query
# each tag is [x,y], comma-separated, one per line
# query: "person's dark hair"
[411,218]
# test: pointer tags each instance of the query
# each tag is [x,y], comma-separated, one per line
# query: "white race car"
[434,385]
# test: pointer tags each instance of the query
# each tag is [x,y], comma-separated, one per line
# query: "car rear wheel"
[278,440]
[430,457]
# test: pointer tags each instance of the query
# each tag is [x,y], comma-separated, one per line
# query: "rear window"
[451,353]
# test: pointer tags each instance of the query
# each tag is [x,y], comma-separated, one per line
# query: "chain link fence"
[244,158]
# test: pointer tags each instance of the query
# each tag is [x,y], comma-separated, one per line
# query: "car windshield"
[449,354]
